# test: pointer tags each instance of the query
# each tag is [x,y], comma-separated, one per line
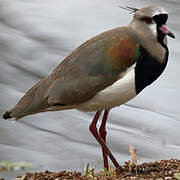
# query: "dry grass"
[159,170]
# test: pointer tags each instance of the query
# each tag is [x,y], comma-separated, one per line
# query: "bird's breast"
[147,69]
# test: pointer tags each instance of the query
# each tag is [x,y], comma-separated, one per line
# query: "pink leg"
[93,130]
[103,133]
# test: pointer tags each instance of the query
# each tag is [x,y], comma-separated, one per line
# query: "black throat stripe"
[147,69]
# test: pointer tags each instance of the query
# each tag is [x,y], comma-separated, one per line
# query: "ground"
[164,169]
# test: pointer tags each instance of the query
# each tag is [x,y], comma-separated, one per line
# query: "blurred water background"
[35,36]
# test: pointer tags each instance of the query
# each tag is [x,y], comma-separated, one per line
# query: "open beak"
[166,31]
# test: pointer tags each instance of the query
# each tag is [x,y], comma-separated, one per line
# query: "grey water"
[35,36]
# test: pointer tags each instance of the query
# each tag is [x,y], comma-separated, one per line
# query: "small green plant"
[89,172]
[109,172]
[177,175]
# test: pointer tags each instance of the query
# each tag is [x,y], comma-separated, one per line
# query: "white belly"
[116,94]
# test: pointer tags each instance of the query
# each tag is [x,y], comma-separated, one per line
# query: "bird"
[104,72]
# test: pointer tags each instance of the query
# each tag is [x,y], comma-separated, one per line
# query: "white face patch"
[153,29]
[159,11]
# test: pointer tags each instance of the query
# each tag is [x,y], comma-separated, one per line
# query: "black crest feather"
[131,9]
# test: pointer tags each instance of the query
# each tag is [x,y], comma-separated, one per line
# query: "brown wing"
[92,67]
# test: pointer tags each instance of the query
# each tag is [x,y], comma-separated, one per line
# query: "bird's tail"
[32,102]
[7,115]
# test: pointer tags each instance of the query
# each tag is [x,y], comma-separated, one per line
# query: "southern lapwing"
[104,72]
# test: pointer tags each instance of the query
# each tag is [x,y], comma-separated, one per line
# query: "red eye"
[148,20]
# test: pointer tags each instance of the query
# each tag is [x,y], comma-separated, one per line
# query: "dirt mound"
[164,169]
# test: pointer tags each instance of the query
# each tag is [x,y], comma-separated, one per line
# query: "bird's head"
[151,21]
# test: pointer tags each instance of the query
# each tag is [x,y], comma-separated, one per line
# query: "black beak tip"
[170,34]
[7,115]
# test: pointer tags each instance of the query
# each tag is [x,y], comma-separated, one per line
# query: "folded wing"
[89,69]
